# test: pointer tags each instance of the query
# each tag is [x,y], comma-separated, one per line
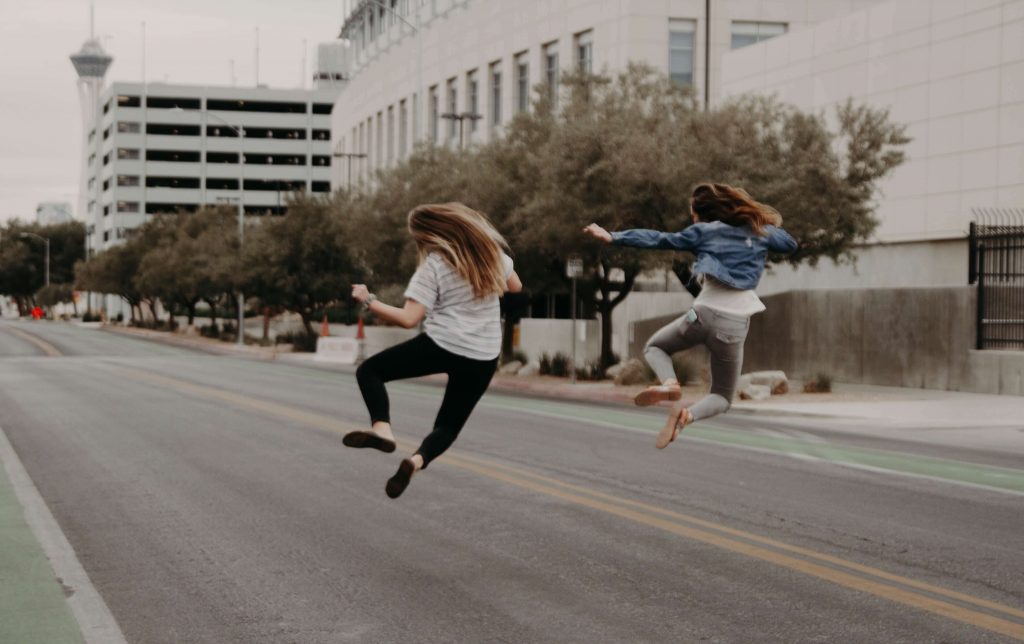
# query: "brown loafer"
[657,393]
[397,483]
[363,438]
[678,418]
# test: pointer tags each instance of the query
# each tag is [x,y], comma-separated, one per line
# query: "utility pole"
[461,118]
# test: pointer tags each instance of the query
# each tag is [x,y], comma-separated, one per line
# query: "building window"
[222,157]
[154,208]
[321,186]
[277,107]
[379,154]
[106,134]
[322,108]
[585,51]
[92,183]
[748,33]
[174,156]
[106,107]
[522,67]
[321,135]
[274,185]
[127,179]
[172,182]
[172,129]
[257,158]
[473,98]
[123,153]
[127,101]
[128,127]
[321,160]
[403,128]
[391,134]
[435,114]
[127,206]
[217,183]
[551,71]
[106,158]
[106,185]
[453,108]
[106,233]
[680,50]
[167,102]
[495,74]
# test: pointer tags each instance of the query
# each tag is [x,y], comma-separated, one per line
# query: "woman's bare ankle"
[417,460]
[382,429]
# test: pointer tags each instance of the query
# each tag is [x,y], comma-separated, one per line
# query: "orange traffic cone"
[324,329]
[360,333]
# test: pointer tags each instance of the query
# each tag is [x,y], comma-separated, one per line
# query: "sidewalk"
[892,406]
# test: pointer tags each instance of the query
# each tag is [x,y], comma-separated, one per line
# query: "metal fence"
[996,264]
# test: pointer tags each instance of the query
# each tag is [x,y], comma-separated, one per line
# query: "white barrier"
[340,350]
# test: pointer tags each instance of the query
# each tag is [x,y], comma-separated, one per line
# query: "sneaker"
[656,393]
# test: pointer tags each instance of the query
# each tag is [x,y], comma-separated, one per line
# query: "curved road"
[210,500]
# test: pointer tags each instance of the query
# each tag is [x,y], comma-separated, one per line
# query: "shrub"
[91,317]
[821,384]
[557,365]
[300,341]
[590,371]
[209,331]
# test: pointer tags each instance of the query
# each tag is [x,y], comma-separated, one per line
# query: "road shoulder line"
[95,621]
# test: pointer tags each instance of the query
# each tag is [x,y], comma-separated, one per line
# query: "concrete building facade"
[953,72]
[415,60]
[158,148]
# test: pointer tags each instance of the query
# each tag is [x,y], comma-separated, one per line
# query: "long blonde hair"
[722,202]
[465,239]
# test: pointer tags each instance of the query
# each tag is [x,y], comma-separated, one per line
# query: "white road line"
[94,618]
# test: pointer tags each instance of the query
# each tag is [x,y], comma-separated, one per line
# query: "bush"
[590,371]
[821,384]
[300,341]
[91,317]
[119,318]
[209,331]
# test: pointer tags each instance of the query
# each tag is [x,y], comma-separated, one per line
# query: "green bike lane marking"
[32,605]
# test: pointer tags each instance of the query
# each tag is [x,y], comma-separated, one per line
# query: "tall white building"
[158,148]
[953,72]
[415,60]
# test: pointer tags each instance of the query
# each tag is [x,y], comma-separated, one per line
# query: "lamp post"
[46,240]
[461,118]
[241,207]
[348,156]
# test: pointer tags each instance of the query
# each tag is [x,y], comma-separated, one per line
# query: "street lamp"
[241,207]
[348,156]
[46,240]
[461,118]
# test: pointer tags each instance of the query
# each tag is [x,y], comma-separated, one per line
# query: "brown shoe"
[678,418]
[656,393]
[371,439]
[397,483]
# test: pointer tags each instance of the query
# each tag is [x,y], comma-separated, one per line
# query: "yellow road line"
[35,340]
[698,529]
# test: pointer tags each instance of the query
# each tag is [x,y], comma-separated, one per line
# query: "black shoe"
[397,483]
[362,438]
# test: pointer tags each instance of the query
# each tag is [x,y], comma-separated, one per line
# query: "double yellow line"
[41,344]
[975,611]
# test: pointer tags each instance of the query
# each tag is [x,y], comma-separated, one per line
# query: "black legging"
[467,381]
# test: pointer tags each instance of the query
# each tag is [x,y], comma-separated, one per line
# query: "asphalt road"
[210,500]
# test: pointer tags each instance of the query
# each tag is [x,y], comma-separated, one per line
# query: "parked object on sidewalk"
[776,381]
[529,369]
[755,392]
[613,371]
[510,368]
[337,350]
[633,372]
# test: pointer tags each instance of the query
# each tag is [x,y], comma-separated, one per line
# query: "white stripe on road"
[94,618]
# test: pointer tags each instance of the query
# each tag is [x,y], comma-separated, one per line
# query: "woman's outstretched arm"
[406,317]
[688,239]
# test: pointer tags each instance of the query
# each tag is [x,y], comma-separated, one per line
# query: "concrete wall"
[551,336]
[916,337]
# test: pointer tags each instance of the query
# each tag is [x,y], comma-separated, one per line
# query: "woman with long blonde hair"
[463,270]
[731,235]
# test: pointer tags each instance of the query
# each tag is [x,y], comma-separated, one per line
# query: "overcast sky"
[187,41]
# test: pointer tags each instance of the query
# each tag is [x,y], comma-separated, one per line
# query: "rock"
[614,370]
[755,392]
[776,381]
[744,381]
[510,368]
[529,369]
[633,372]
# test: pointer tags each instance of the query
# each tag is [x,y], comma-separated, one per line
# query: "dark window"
[274,159]
[106,210]
[272,184]
[127,206]
[172,129]
[321,186]
[106,134]
[269,133]
[265,210]
[128,127]
[321,159]
[128,101]
[154,208]
[255,106]
[106,108]
[217,130]
[167,102]
[106,233]
[172,182]
[222,157]
[321,135]
[127,153]
[322,108]
[106,158]
[127,180]
[214,183]
[180,156]
[106,185]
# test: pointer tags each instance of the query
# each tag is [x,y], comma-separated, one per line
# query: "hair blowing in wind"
[725,203]
[465,239]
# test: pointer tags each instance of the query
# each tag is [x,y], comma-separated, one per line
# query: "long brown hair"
[465,239]
[725,203]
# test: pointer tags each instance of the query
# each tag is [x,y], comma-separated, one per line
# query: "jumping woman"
[731,235]
[462,271]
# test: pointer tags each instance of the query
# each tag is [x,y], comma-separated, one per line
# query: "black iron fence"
[996,263]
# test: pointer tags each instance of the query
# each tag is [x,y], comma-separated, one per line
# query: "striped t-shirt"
[456,319]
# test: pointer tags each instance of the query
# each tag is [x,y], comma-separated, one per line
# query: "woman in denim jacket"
[731,235]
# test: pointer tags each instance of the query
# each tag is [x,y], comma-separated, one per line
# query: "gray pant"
[722,334]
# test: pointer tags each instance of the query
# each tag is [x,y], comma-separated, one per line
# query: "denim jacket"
[733,255]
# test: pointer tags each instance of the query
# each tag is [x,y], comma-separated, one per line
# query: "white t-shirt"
[456,319]
[718,296]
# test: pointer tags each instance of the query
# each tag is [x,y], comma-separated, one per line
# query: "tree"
[22,260]
[300,261]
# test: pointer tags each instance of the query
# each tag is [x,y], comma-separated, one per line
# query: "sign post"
[573,268]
